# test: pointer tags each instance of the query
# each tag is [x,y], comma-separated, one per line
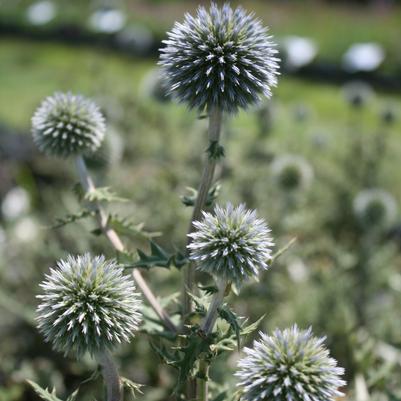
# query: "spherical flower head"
[220,58]
[68,125]
[375,208]
[357,93]
[88,305]
[231,244]
[292,172]
[289,365]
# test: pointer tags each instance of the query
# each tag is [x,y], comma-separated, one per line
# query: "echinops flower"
[68,125]
[88,305]
[291,172]
[289,365]
[375,208]
[231,244]
[220,58]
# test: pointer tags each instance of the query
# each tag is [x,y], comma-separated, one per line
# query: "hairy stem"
[88,185]
[215,119]
[202,381]
[217,300]
[110,376]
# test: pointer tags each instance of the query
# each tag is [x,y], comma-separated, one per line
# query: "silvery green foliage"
[289,365]
[67,125]
[375,207]
[221,58]
[88,305]
[232,244]
[292,172]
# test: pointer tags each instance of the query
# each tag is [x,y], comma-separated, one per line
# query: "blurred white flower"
[15,203]
[363,57]
[136,38]
[107,20]
[41,13]
[297,270]
[26,230]
[299,51]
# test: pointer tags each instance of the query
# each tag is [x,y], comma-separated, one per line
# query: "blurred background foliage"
[311,160]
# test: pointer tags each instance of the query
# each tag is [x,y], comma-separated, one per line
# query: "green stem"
[202,381]
[110,376]
[215,119]
[217,300]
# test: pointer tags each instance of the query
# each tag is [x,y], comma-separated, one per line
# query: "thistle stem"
[217,300]
[112,236]
[215,119]
[110,376]
[202,381]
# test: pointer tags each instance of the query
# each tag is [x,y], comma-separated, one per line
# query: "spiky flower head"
[292,172]
[375,208]
[289,365]
[88,305]
[68,125]
[231,244]
[220,58]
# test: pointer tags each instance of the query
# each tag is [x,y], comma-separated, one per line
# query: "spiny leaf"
[245,330]
[44,393]
[189,200]
[231,318]
[132,387]
[158,257]
[73,396]
[103,194]
[72,218]
[126,227]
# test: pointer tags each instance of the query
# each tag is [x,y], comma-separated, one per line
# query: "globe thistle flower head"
[220,58]
[68,125]
[231,244]
[357,93]
[88,305]
[375,208]
[289,365]
[291,172]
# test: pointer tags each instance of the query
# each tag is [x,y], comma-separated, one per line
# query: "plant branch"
[202,381]
[88,185]
[110,376]
[215,119]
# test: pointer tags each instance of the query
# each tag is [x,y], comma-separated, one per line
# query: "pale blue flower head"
[289,365]
[220,58]
[232,243]
[87,305]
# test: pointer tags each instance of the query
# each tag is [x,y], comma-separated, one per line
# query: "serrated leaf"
[231,318]
[44,393]
[72,218]
[132,387]
[158,257]
[73,396]
[103,194]
[190,199]
[124,226]
[209,290]
[245,330]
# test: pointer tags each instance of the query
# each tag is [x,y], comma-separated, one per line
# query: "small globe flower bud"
[291,172]
[88,305]
[375,208]
[289,365]
[68,125]
[222,58]
[231,244]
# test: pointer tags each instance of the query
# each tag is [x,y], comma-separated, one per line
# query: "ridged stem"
[215,119]
[112,236]
[202,381]
[217,300]
[110,376]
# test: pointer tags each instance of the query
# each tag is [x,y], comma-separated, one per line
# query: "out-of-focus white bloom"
[375,208]
[41,13]
[357,93]
[136,38]
[15,203]
[26,230]
[299,51]
[363,57]
[297,270]
[107,20]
